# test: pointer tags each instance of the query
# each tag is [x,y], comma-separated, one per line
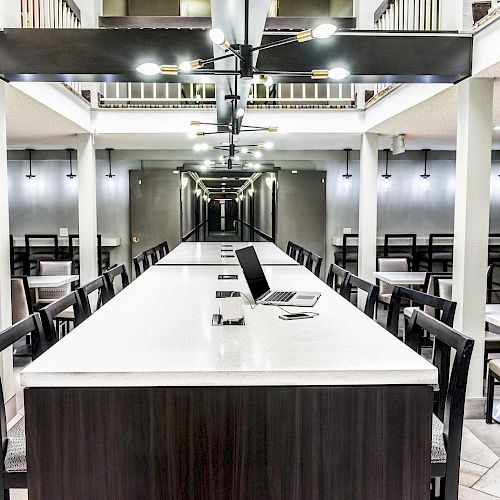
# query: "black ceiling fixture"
[31,175]
[71,175]
[425,175]
[387,175]
[347,175]
[110,173]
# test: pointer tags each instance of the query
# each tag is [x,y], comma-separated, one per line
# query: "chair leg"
[489,398]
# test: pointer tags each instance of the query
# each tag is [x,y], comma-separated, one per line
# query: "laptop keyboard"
[280,297]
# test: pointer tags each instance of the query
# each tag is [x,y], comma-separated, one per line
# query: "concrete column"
[10,14]
[87,208]
[6,365]
[368,167]
[472,211]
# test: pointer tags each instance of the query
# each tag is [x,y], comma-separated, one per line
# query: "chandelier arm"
[253,128]
[277,43]
[234,53]
[213,59]
[285,73]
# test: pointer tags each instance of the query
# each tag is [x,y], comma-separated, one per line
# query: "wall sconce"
[197,192]
[241,196]
[270,181]
[424,182]
[71,175]
[184,181]
[347,176]
[386,184]
[31,175]
[110,174]
[251,191]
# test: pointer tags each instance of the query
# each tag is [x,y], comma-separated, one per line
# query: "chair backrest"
[55,268]
[445,309]
[430,288]
[74,252]
[30,325]
[391,264]
[49,312]
[451,394]
[140,264]
[437,236]
[371,290]
[160,252]
[164,245]
[345,245]
[21,303]
[109,277]
[151,256]
[444,287]
[336,278]
[296,252]
[289,248]
[303,256]
[53,237]
[313,263]
[411,239]
[97,285]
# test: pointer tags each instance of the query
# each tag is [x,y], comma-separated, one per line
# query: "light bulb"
[251,191]
[149,69]
[257,154]
[217,36]
[221,158]
[191,134]
[266,80]
[241,197]
[204,146]
[209,199]
[268,145]
[205,197]
[240,112]
[338,73]
[222,183]
[197,147]
[324,30]
[185,66]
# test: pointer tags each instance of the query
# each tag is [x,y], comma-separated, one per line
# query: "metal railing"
[49,14]
[408,15]
[129,94]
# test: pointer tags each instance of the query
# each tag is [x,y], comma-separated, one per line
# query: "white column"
[472,211]
[368,167]
[87,208]
[456,15]
[10,14]
[5,301]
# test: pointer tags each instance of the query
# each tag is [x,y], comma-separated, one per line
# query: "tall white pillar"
[87,208]
[368,168]
[5,300]
[472,212]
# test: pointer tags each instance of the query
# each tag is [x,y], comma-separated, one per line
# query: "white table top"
[157,332]
[210,253]
[106,241]
[493,314]
[400,278]
[51,281]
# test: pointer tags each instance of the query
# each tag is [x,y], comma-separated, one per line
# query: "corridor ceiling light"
[257,154]
[241,197]
[294,171]
[217,36]
[205,197]
[240,112]
[31,175]
[224,178]
[222,183]
[197,192]
[184,181]
[71,175]
[110,174]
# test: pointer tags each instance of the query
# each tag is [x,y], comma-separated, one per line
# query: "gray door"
[155,209]
[301,217]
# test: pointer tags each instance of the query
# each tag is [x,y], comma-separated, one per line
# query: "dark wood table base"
[217,443]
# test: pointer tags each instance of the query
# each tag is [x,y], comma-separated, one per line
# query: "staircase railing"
[50,14]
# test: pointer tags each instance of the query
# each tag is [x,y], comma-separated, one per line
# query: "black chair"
[447,421]
[400,250]
[296,252]
[491,285]
[14,468]
[493,380]
[442,254]
[151,256]
[97,285]
[103,258]
[444,309]
[109,277]
[336,274]
[21,308]
[289,248]
[346,256]
[160,252]
[66,310]
[370,289]
[34,257]
[17,259]
[494,251]
[313,263]
[140,264]
[164,246]
[303,256]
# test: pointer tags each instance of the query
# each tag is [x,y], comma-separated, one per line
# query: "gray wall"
[263,205]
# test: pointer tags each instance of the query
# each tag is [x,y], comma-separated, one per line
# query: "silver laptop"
[259,286]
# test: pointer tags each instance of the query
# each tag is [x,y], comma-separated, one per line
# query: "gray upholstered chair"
[55,268]
[390,264]
[21,304]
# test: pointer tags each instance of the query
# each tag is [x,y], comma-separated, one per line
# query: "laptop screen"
[253,272]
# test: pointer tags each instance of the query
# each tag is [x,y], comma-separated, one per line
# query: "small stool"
[493,379]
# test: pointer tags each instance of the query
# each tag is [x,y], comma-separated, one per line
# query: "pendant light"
[425,175]
[31,175]
[71,175]
[347,176]
[387,175]
[110,174]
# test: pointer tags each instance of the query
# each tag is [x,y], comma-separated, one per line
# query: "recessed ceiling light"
[294,171]
[222,183]
[224,178]
[175,172]
[257,154]
[149,69]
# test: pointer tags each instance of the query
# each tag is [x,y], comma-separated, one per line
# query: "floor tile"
[473,450]
[465,493]
[487,433]
[470,473]
[490,482]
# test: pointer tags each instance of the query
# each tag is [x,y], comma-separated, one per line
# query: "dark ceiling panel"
[113,55]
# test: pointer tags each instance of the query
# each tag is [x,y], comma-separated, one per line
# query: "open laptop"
[259,286]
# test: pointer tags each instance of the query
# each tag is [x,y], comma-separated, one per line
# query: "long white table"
[493,314]
[107,241]
[168,402]
[37,282]
[410,278]
[211,253]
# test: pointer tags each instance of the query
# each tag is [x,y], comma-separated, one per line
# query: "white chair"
[390,264]
[54,268]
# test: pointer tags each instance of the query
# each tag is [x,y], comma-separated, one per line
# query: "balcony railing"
[189,95]
[49,14]
[408,15]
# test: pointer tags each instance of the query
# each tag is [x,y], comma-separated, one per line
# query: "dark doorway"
[214,216]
